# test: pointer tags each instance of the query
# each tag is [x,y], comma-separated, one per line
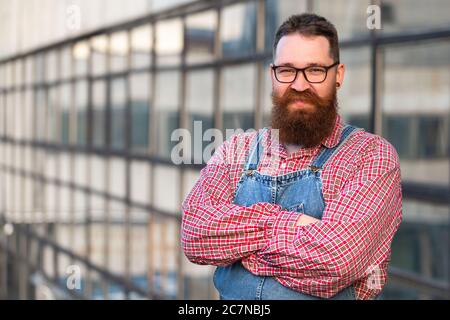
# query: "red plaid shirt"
[351,244]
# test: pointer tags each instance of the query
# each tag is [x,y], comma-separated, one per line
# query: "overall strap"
[256,150]
[326,153]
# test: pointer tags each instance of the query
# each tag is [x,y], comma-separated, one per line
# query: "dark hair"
[308,24]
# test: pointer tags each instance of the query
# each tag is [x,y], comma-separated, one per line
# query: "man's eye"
[315,70]
[286,71]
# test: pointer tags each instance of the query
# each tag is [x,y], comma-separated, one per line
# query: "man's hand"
[305,220]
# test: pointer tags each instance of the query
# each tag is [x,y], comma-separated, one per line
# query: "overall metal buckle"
[315,168]
[249,172]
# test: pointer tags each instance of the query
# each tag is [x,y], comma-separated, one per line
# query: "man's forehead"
[304,50]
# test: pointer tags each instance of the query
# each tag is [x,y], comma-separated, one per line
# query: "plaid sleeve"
[217,232]
[353,237]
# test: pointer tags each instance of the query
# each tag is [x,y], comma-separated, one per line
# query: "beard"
[306,127]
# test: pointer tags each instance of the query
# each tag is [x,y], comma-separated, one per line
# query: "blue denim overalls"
[299,191]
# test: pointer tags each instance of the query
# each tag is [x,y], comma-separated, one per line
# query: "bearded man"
[310,214]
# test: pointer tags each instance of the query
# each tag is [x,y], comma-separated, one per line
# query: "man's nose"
[300,84]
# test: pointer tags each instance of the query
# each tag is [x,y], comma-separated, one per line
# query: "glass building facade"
[88,187]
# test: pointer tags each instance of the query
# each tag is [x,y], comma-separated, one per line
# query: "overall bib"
[299,191]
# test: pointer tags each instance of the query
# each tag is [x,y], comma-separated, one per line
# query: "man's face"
[304,112]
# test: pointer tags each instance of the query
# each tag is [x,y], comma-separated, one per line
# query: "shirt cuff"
[284,222]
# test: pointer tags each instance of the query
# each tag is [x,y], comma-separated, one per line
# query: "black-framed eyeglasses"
[312,74]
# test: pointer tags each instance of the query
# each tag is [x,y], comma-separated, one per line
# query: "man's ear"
[340,75]
[270,71]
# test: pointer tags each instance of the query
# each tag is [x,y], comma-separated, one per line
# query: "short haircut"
[308,24]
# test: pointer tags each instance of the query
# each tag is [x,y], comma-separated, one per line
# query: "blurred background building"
[90,92]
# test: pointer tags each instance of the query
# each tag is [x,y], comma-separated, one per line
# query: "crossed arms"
[320,257]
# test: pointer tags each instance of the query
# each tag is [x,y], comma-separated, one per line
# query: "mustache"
[291,96]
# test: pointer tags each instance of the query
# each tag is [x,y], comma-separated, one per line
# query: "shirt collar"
[333,139]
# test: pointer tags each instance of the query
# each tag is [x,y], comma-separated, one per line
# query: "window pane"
[2,76]
[416,108]
[66,63]
[140,84]
[18,115]
[64,176]
[18,71]
[277,11]
[8,74]
[40,107]
[141,46]
[354,94]
[238,36]
[66,101]
[119,51]
[140,182]
[51,66]
[11,73]
[117,176]
[414,15]
[81,108]
[52,114]
[3,108]
[99,47]
[169,42]
[10,113]
[200,35]
[80,177]
[9,109]
[7,113]
[9,69]
[166,110]
[239,97]
[39,65]
[167,178]
[28,71]
[118,102]
[2,112]
[199,104]
[28,115]
[421,245]
[81,54]
[348,16]
[98,164]
[98,110]
[138,250]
